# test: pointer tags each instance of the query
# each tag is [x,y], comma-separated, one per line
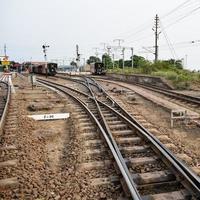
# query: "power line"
[171,48]
[143,28]
[175,9]
[186,15]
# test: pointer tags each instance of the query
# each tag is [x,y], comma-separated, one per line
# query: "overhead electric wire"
[183,16]
[171,48]
[177,14]
[175,9]
[191,43]
[143,28]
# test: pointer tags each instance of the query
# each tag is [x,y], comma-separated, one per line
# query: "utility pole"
[5,48]
[96,51]
[132,57]
[186,58]
[155,29]
[119,41]
[45,56]
[108,49]
[104,45]
[77,57]
[123,50]
[113,57]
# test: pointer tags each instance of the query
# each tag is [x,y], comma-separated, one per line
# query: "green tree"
[93,59]
[107,61]
[139,61]
[176,63]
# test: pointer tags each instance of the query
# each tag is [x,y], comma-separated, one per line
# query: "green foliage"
[171,69]
[93,59]
[106,59]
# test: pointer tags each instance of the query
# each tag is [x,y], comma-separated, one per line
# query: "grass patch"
[180,78]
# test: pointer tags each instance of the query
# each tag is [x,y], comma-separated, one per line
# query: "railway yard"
[120,140]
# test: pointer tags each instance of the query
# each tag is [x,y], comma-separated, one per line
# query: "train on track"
[97,68]
[39,68]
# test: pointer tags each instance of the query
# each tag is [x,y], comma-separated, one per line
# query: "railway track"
[191,100]
[188,100]
[4,100]
[8,149]
[144,167]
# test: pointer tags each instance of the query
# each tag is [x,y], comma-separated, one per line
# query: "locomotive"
[39,68]
[97,68]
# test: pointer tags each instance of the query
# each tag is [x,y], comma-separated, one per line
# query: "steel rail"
[193,179]
[177,164]
[119,160]
[130,183]
[180,96]
[5,110]
[187,173]
[76,80]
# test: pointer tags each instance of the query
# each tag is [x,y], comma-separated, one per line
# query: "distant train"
[39,68]
[97,68]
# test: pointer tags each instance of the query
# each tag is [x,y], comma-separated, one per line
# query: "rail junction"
[118,150]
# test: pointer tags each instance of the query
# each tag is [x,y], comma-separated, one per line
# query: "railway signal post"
[45,57]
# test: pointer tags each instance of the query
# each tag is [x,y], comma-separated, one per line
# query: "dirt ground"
[185,137]
[48,150]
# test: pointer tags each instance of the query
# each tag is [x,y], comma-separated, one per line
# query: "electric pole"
[155,29]
[123,50]
[45,56]
[113,57]
[77,57]
[96,51]
[119,41]
[108,49]
[104,45]
[132,57]
[5,48]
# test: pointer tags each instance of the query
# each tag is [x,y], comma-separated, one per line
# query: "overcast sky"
[27,24]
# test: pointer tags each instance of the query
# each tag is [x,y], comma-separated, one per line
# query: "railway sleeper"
[174,195]
[81,116]
[95,165]
[108,115]
[90,135]
[8,183]
[123,133]
[88,128]
[80,112]
[153,177]
[89,143]
[141,161]
[101,150]
[130,140]
[8,163]
[111,118]
[86,124]
[8,148]
[84,120]
[104,181]
[118,126]
[134,149]
[115,122]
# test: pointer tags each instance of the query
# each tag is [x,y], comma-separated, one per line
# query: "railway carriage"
[39,68]
[97,68]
